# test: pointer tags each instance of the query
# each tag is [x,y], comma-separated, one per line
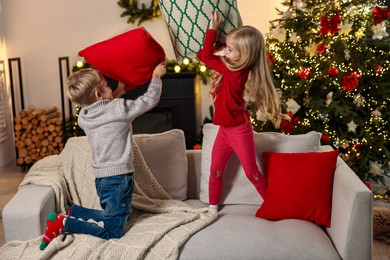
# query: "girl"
[241,70]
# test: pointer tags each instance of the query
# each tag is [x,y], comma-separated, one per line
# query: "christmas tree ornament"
[287,14]
[350,82]
[352,126]
[378,69]
[294,38]
[376,112]
[311,49]
[379,31]
[329,26]
[375,168]
[325,137]
[345,27]
[359,100]
[321,48]
[380,14]
[287,126]
[344,144]
[300,5]
[260,116]
[279,33]
[359,33]
[329,99]
[333,72]
[347,54]
[303,73]
[292,106]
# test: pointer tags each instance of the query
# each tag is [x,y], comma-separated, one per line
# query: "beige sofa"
[236,233]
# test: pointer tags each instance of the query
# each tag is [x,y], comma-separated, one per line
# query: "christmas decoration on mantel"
[330,61]
[136,13]
[172,65]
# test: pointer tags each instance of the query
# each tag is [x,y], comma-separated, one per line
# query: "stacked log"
[38,133]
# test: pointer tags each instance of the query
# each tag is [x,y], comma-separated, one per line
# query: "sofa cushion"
[237,234]
[129,57]
[188,21]
[300,186]
[165,154]
[236,187]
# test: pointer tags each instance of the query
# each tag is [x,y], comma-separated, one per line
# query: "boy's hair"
[260,87]
[82,84]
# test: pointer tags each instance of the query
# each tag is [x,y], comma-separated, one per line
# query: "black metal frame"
[10,61]
[61,60]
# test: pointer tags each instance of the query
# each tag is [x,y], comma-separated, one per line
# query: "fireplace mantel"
[178,99]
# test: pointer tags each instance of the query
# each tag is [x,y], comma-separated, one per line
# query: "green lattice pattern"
[188,21]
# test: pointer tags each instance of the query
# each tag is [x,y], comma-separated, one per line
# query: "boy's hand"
[216,19]
[159,70]
[120,90]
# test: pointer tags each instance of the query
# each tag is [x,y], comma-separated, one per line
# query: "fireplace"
[176,108]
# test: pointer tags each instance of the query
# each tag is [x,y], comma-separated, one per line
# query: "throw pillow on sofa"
[236,187]
[165,154]
[300,186]
[188,21]
[129,57]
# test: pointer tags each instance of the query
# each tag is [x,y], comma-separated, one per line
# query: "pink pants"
[240,140]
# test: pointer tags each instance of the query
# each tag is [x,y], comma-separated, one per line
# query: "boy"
[107,124]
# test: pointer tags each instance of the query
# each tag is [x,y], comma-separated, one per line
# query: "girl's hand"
[216,19]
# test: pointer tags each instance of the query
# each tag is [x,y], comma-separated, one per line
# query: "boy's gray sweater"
[108,126]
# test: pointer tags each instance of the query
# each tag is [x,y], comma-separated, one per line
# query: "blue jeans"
[115,193]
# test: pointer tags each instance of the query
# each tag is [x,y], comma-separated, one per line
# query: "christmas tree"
[330,61]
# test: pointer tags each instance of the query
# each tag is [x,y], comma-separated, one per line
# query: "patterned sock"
[67,209]
[55,223]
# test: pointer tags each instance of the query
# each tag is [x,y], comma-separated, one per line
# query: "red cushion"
[299,186]
[129,57]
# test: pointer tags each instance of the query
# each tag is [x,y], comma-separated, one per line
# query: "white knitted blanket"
[159,225]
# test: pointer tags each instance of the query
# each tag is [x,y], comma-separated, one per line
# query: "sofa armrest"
[351,221]
[24,216]
[194,158]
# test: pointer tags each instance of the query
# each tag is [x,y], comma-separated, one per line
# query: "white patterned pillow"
[188,21]
[236,187]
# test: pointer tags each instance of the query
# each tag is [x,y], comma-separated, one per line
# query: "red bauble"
[378,69]
[304,73]
[351,82]
[321,48]
[288,126]
[271,60]
[333,72]
[325,137]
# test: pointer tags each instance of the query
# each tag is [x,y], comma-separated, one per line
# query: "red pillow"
[299,186]
[129,57]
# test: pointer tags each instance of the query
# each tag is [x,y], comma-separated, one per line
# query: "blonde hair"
[260,88]
[82,84]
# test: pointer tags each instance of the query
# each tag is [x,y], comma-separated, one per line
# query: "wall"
[40,31]
[7,147]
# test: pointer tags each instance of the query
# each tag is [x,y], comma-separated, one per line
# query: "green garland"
[172,66]
[141,14]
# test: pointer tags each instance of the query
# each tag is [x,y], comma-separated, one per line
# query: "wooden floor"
[11,176]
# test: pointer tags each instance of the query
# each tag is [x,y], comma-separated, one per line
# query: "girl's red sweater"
[229,101]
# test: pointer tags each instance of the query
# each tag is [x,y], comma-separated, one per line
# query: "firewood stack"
[38,133]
